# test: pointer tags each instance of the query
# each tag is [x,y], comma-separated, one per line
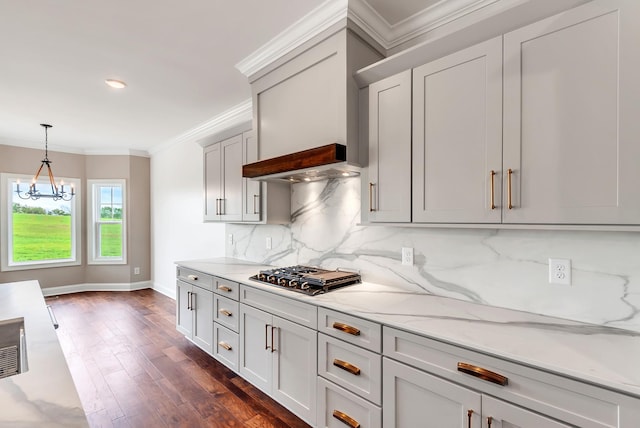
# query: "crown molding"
[391,36]
[236,115]
[315,22]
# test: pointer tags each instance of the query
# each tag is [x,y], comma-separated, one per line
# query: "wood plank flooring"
[133,369]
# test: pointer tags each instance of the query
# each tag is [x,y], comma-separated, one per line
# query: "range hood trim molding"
[318,163]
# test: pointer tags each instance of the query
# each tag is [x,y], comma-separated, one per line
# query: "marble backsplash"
[505,268]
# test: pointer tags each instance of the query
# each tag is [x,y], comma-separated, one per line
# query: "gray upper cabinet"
[251,191]
[535,127]
[457,136]
[229,197]
[389,187]
[571,108]
[223,180]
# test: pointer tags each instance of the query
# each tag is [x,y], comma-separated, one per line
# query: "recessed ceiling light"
[117,84]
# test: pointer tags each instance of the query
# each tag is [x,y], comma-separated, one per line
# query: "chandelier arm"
[52,180]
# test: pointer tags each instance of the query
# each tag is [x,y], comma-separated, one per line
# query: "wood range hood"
[319,163]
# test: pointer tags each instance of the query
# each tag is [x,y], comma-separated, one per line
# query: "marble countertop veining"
[44,396]
[600,355]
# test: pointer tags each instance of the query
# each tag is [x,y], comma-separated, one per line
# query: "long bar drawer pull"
[224,288]
[193,277]
[346,328]
[225,345]
[347,366]
[483,374]
[346,419]
[225,312]
[54,321]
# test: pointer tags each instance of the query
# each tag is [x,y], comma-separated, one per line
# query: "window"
[107,231]
[38,233]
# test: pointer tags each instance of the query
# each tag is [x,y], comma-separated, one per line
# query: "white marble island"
[599,355]
[44,396]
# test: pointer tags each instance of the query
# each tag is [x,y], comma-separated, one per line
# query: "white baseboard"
[167,291]
[78,288]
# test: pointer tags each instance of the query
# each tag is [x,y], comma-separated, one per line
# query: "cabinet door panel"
[184,316]
[255,358]
[294,368]
[457,136]
[202,301]
[505,415]
[232,179]
[571,117]
[251,203]
[413,399]
[389,186]
[212,182]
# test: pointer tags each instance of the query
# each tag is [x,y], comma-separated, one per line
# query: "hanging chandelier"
[57,193]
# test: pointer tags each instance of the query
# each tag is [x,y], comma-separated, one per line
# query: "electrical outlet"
[560,271]
[267,243]
[407,256]
[230,238]
[136,271]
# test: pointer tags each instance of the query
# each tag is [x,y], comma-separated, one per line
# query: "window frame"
[94,222]
[6,225]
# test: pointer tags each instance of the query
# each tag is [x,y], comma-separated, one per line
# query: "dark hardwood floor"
[133,369]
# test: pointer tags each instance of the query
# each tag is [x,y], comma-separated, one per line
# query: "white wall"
[177,229]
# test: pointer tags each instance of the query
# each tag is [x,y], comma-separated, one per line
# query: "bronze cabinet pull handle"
[188,300]
[483,374]
[346,419]
[193,277]
[266,333]
[224,288]
[469,414]
[509,174]
[225,312]
[493,195]
[255,210]
[225,345]
[346,328]
[347,366]
[273,345]
[371,197]
[489,421]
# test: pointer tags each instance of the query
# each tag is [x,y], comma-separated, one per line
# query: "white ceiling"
[177,57]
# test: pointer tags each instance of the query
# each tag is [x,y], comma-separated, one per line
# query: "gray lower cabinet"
[277,355]
[433,384]
[194,314]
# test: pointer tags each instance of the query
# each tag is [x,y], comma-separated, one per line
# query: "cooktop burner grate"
[306,279]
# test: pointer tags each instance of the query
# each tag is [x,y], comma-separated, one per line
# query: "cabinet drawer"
[335,400]
[292,310]
[351,329]
[227,288]
[353,368]
[571,401]
[194,277]
[226,312]
[225,346]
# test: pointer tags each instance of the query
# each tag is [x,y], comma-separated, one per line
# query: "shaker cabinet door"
[416,399]
[457,137]
[499,414]
[212,182]
[571,109]
[231,204]
[389,186]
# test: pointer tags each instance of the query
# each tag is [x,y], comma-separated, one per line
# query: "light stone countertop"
[45,395]
[599,355]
